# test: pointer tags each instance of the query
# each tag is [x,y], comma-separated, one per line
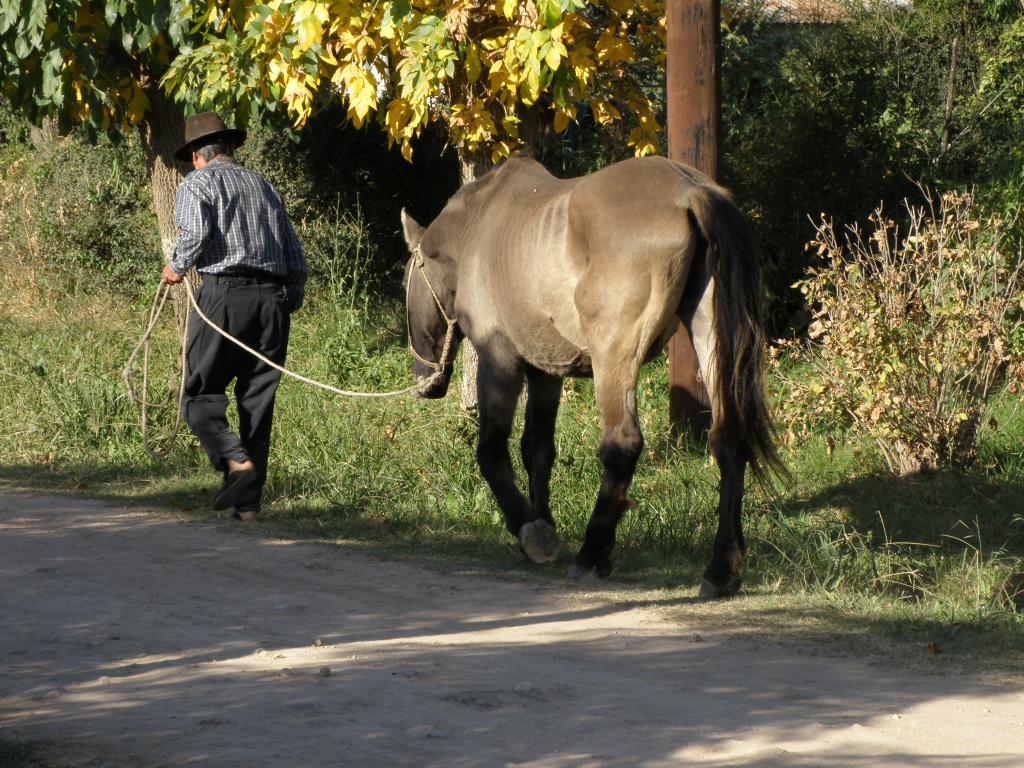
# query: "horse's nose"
[430,387]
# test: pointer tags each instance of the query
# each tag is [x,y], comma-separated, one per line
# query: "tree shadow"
[338,658]
[950,507]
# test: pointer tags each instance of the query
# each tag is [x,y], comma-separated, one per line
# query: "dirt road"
[130,640]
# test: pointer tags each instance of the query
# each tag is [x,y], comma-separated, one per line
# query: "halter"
[449,336]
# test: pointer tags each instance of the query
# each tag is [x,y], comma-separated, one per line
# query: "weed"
[913,327]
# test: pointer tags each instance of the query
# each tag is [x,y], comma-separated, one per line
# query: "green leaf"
[21,47]
[550,12]
[51,81]
[37,22]
[127,37]
[10,12]
[400,9]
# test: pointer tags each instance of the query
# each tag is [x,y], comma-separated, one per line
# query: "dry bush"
[912,327]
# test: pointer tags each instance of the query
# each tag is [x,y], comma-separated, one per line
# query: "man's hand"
[170,276]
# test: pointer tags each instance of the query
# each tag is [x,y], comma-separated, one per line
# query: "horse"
[590,277]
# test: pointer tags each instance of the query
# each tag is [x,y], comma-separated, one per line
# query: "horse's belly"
[544,345]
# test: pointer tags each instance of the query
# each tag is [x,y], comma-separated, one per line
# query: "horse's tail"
[739,350]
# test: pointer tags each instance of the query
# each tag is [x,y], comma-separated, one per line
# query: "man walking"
[233,228]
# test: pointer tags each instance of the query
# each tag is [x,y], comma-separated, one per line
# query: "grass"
[842,550]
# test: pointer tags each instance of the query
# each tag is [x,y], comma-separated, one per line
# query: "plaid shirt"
[231,220]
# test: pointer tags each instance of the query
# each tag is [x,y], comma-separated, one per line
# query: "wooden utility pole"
[693,85]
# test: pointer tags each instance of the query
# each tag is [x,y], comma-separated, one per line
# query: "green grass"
[840,550]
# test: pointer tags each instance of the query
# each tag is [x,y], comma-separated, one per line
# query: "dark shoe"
[245,515]
[234,484]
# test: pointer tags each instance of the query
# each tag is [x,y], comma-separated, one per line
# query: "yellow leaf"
[612,49]
[605,113]
[308,33]
[472,63]
[361,92]
[561,121]
[493,43]
[583,66]
[530,89]
[641,142]
[276,68]
[554,56]
[508,8]
[138,103]
[328,58]
[501,150]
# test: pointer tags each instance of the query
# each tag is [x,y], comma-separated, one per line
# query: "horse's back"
[639,201]
[562,266]
[630,222]
[515,282]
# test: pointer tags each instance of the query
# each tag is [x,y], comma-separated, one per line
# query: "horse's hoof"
[579,574]
[539,541]
[710,591]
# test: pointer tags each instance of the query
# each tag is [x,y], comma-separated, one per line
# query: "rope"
[423,385]
[162,292]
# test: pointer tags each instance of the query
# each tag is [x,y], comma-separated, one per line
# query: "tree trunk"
[472,165]
[44,134]
[162,133]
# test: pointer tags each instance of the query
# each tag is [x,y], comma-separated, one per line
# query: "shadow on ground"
[144,641]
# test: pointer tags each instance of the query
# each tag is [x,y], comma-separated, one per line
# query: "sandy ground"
[136,640]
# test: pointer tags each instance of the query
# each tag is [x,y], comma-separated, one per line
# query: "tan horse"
[590,277]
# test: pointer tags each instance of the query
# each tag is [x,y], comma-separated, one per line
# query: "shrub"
[77,214]
[912,326]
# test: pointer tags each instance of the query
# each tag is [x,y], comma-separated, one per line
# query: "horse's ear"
[413,231]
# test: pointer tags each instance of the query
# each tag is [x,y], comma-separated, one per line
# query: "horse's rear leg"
[621,446]
[498,395]
[723,576]
[538,442]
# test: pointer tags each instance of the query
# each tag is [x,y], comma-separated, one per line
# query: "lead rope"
[160,299]
[162,292]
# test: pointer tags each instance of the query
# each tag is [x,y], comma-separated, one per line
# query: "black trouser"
[255,311]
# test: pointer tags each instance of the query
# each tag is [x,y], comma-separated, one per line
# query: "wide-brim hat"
[206,125]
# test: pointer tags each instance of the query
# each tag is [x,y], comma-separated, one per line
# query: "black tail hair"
[740,345]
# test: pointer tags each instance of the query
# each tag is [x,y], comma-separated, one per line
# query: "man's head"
[203,152]
[206,136]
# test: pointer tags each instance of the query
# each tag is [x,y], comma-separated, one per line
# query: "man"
[233,228]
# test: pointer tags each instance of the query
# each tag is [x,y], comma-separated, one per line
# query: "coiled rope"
[163,290]
[143,346]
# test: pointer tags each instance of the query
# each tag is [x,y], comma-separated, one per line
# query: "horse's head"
[430,310]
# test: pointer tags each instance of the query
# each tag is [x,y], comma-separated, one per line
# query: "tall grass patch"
[945,547]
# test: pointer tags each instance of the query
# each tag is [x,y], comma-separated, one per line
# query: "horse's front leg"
[498,393]
[621,446]
[538,442]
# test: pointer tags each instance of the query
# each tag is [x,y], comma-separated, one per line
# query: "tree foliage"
[476,66]
[88,63]
[841,117]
